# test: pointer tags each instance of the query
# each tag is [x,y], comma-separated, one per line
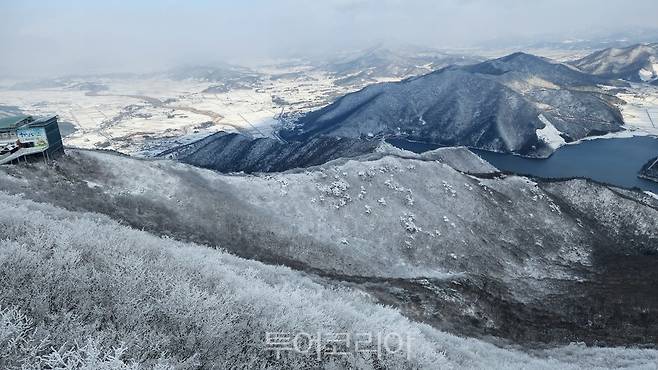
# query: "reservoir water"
[615,161]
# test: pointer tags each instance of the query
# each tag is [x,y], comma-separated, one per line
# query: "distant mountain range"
[520,103]
[637,63]
[349,68]
[225,77]
[496,105]
[381,63]
[577,42]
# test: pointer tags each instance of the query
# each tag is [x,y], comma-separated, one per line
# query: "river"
[615,161]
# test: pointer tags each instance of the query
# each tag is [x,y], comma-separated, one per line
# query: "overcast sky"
[40,38]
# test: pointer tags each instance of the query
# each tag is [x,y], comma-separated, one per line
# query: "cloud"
[67,36]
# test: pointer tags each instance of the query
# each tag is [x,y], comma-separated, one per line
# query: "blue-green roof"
[42,121]
[11,122]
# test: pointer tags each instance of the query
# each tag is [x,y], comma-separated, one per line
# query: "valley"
[152,114]
[147,114]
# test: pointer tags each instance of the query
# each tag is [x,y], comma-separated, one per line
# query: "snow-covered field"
[144,115]
[115,118]
[132,111]
[641,109]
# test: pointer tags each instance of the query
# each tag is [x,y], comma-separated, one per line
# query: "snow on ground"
[560,55]
[641,109]
[131,113]
[146,115]
[652,195]
[228,302]
[143,115]
[650,73]
[330,217]
[549,134]
[121,117]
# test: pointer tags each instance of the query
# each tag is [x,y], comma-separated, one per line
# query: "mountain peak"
[532,65]
[635,63]
[526,57]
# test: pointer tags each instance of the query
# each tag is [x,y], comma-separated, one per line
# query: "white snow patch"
[386,148]
[646,75]
[640,113]
[92,185]
[549,134]
[649,73]
[652,195]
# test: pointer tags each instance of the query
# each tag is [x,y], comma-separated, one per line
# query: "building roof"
[12,122]
[42,121]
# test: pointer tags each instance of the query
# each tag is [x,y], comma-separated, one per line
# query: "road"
[650,119]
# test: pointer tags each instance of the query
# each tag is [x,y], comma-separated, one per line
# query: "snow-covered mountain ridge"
[495,105]
[205,307]
[399,227]
[635,63]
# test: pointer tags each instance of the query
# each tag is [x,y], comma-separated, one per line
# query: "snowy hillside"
[380,64]
[145,114]
[525,66]
[496,105]
[636,63]
[402,229]
[238,153]
[73,300]
[329,185]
